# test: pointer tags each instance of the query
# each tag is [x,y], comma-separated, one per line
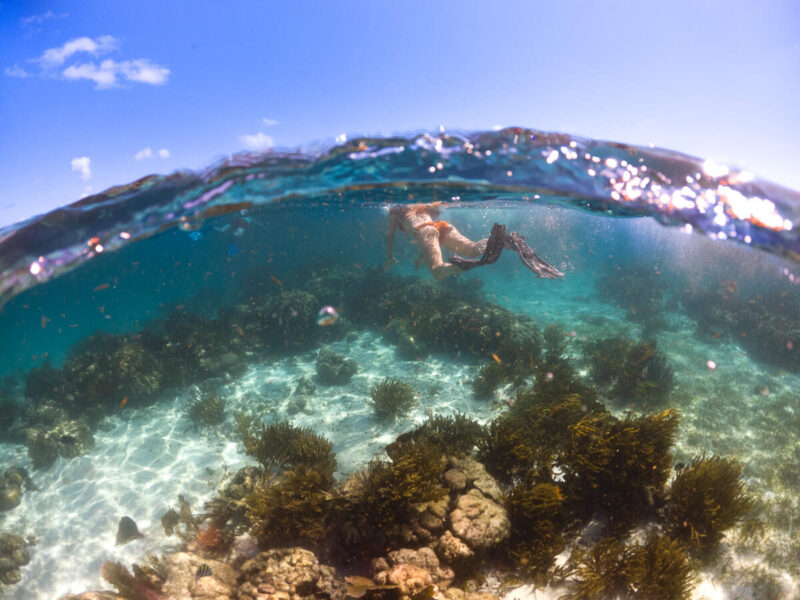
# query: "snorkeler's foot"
[494,247]
[530,259]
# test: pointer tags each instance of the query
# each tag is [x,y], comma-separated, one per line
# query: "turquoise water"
[136,325]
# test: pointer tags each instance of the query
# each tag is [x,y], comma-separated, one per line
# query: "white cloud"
[16,71]
[40,19]
[57,56]
[148,153]
[259,141]
[107,73]
[143,153]
[143,71]
[269,122]
[82,164]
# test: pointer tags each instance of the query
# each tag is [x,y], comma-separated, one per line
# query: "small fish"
[276,280]
[123,403]
[327,315]
[196,236]
[496,358]
[203,571]
[233,250]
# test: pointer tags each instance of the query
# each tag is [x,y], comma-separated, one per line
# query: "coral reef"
[391,398]
[333,368]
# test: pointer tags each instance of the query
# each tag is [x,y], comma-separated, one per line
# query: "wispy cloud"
[259,141]
[111,73]
[16,71]
[82,164]
[269,122]
[148,153]
[35,21]
[58,56]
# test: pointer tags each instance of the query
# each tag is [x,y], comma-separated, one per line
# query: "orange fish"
[123,403]
[497,358]
[276,280]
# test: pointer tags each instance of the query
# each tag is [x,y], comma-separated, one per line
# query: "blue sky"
[94,94]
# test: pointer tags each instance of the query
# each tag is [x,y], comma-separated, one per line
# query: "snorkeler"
[431,235]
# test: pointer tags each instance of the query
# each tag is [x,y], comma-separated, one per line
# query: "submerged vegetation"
[546,467]
[391,398]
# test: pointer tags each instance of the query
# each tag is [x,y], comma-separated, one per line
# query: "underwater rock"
[455,480]
[432,515]
[299,400]
[182,581]
[274,573]
[411,580]
[333,368]
[243,483]
[451,549]
[13,555]
[68,439]
[476,476]
[127,531]
[11,487]
[10,495]
[425,558]
[479,521]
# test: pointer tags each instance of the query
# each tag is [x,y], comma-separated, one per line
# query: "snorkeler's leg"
[530,259]
[454,241]
[494,247]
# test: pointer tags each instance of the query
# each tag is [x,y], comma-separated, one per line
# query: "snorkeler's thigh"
[454,241]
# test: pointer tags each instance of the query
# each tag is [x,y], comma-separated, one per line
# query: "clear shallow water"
[724,315]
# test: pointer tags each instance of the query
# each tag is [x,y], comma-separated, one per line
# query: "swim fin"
[530,259]
[494,248]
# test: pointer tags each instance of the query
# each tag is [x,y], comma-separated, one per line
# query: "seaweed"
[282,446]
[532,435]
[645,376]
[661,570]
[706,499]
[391,398]
[604,571]
[538,523]
[207,411]
[619,467]
[292,509]
[137,586]
[452,436]
[377,501]
[657,570]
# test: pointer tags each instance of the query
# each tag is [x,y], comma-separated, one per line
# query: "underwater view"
[510,364]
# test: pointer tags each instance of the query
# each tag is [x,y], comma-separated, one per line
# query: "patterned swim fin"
[530,259]
[494,248]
